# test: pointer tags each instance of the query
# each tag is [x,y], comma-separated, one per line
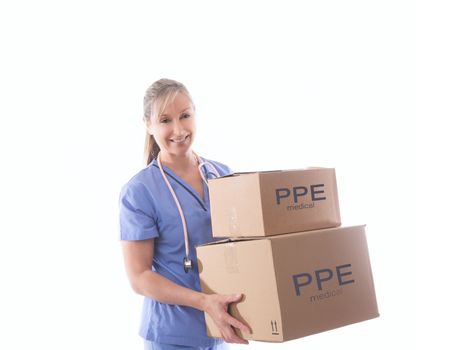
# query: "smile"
[180,140]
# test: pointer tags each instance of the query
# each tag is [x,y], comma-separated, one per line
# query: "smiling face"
[173,128]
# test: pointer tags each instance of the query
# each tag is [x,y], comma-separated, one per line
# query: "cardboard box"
[274,202]
[293,285]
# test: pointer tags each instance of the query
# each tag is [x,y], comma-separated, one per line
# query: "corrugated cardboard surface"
[335,305]
[265,271]
[235,204]
[226,268]
[274,202]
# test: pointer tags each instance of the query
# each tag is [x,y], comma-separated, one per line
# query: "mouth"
[180,140]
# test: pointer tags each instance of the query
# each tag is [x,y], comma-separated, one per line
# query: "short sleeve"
[222,169]
[227,170]
[137,213]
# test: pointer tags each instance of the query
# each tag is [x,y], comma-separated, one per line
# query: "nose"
[178,129]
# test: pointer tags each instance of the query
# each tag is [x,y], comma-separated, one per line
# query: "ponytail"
[151,149]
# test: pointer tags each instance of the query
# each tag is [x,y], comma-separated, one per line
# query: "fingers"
[237,324]
[230,336]
[225,322]
[233,321]
[235,339]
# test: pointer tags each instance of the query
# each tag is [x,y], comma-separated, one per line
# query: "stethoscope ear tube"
[187,263]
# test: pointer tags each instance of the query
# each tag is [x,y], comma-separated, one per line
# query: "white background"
[372,88]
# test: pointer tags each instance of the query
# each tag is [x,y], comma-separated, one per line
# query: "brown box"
[274,202]
[294,285]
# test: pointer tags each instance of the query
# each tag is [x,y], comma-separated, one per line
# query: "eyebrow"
[167,115]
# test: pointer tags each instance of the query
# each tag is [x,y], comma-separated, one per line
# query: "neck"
[178,162]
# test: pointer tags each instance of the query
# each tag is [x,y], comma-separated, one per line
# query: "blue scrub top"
[147,210]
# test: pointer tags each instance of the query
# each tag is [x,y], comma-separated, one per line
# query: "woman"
[163,207]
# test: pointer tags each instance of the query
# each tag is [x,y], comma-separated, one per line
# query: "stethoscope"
[187,263]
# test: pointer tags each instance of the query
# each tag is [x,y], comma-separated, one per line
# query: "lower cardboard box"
[294,285]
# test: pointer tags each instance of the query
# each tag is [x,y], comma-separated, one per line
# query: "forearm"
[138,256]
[153,285]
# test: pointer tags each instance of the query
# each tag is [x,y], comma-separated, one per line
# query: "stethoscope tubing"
[187,263]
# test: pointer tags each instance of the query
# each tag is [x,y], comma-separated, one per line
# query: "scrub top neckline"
[187,186]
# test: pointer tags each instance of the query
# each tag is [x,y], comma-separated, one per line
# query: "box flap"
[230,240]
[239,173]
[294,234]
[275,237]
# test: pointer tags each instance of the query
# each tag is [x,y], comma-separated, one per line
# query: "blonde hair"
[157,97]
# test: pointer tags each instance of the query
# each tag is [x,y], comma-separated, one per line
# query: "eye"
[164,120]
[185,115]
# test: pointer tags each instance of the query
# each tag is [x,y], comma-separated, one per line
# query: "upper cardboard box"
[274,202]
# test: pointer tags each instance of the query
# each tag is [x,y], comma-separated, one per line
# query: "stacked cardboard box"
[299,271]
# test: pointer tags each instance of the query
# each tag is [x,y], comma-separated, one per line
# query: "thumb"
[234,297]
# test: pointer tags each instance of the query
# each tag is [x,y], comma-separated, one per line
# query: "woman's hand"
[216,306]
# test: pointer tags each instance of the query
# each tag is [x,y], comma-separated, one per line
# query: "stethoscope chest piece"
[187,264]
